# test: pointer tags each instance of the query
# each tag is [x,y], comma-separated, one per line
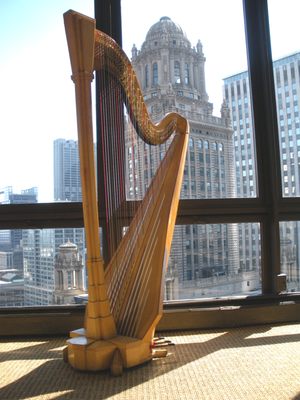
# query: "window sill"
[211,314]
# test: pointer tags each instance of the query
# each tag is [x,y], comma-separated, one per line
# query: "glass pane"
[285,32]
[41,267]
[290,254]
[37,99]
[214,261]
[182,67]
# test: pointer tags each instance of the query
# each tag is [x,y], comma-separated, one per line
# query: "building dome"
[164,29]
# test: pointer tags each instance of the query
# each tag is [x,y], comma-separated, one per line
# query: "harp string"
[128,284]
[126,312]
[112,127]
[112,155]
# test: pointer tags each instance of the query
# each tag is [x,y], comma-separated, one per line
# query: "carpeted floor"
[261,362]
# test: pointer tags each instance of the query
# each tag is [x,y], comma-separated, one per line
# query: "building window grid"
[285,119]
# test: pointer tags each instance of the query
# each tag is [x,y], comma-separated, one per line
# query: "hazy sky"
[37,102]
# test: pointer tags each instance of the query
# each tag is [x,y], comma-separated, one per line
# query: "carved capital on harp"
[82,76]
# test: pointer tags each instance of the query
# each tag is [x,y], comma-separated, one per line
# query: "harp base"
[119,352]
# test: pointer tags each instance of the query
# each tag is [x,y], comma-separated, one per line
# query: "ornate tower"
[171,73]
[68,274]
[169,64]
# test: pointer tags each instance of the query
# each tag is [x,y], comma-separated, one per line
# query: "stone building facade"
[172,76]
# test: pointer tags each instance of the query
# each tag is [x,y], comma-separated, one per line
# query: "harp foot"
[116,368]
[88,354]
[65,354]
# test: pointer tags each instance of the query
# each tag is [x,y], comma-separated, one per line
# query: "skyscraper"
[67,184]
[67,187]
[39,253]
[41,247]
[11,247]
[172,76]
[287,91]
[11,240]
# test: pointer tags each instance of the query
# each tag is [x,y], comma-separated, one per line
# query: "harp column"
[99,322]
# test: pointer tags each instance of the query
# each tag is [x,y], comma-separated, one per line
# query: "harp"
[125,295]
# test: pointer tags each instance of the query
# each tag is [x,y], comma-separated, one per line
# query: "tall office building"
[11,248]
[11,282]
[27,196]
[67,184]
[172,76]
[237,96]
[42,247]
[39,253]
[67,187]
[287,90]
[11,240]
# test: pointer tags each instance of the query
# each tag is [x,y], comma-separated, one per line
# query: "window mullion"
[266,134]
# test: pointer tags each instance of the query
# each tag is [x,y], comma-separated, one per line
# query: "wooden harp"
[125,296]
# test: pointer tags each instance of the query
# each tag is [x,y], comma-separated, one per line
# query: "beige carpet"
[261,362]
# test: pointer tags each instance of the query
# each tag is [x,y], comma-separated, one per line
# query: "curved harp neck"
[111,58]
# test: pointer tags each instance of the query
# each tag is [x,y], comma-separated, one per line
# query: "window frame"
[268,209]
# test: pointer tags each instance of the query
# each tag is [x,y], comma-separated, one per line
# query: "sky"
[37,103]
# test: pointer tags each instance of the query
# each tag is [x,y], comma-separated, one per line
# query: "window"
[226,234]
[154,74]
[289,250]
[284,66]
[212,246]
[211,180]
[146,75]
[177,72]
[45,126]
[186,74]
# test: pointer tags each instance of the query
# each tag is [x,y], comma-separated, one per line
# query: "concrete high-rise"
[67,187]
[287,91]
[11,240]
[39,253]
[41,247]
[11,247]
[67,183]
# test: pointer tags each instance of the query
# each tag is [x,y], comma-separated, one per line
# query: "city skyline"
[45,99]
[210,244]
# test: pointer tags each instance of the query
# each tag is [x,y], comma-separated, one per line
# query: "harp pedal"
[159,347]
[162,342]
[160,353]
